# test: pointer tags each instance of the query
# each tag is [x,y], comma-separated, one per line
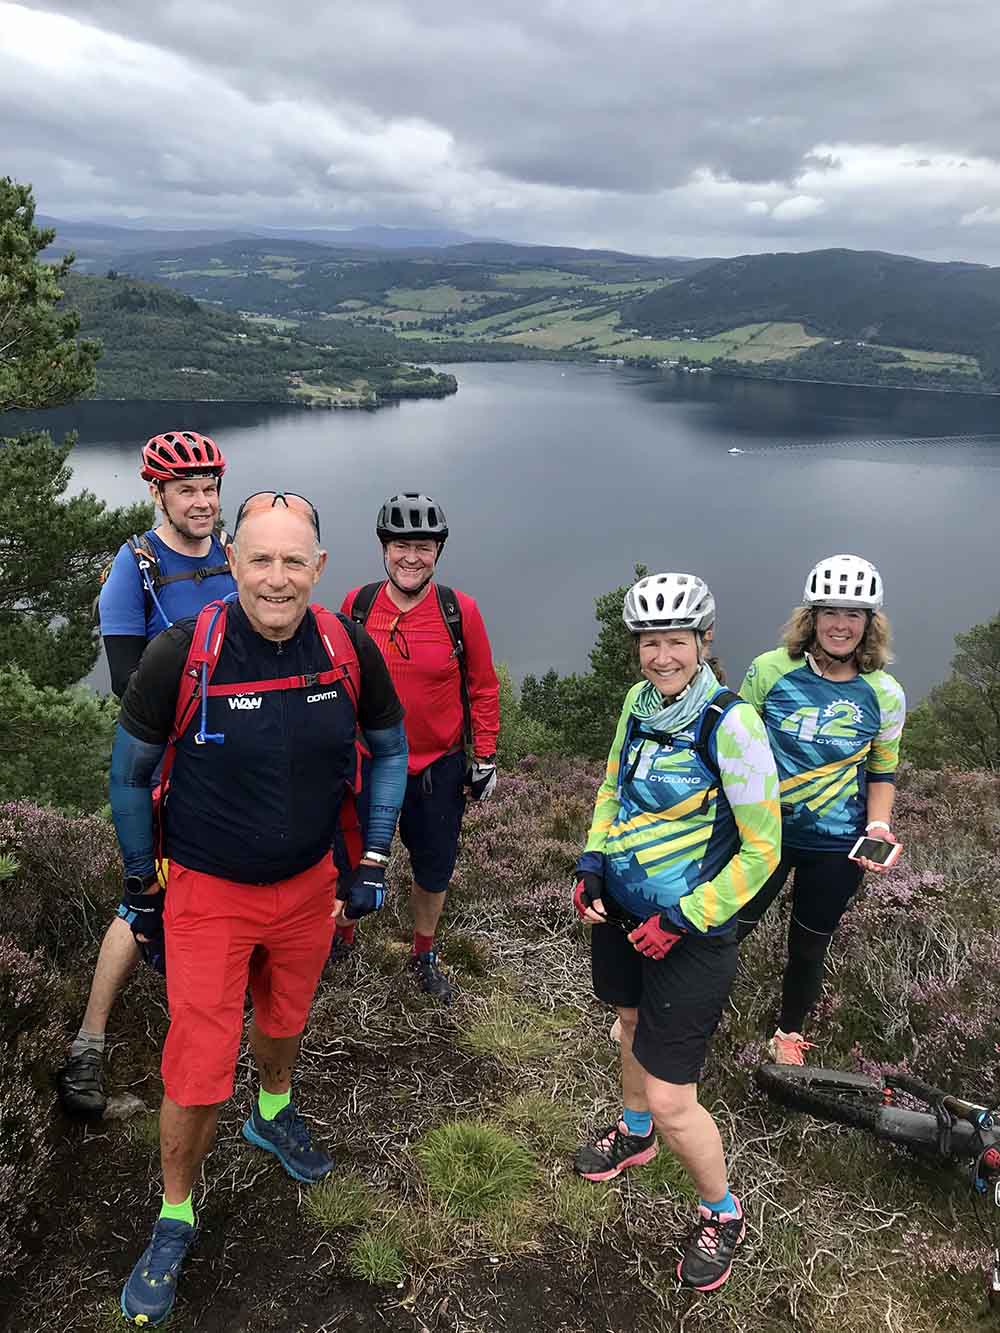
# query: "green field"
[270,321]
[603,335]
[436,300]
[205,273]
[956,361]
[540,277]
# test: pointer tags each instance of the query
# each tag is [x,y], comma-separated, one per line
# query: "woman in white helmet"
[834,717]
[686,828]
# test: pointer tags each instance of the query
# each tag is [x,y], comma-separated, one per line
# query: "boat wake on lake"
[894,442]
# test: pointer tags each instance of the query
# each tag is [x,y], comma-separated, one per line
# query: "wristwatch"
[379,858]
[140,883]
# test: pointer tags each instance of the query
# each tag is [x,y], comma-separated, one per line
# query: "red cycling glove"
[654,938]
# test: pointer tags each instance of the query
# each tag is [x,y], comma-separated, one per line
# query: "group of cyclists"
[267,749]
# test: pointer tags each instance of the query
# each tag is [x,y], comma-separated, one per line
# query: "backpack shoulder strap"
[364,600]
[144,554]
[204,650]
[451,613]
[339,645]
[715,710]
[200,574]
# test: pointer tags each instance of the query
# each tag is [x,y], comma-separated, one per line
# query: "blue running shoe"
[148,1295]
[287,1137]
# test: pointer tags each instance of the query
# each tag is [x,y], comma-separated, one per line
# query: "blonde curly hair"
[874,652]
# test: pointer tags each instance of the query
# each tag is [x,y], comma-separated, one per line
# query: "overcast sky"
[647,125]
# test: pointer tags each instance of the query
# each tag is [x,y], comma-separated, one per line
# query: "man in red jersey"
[434,643]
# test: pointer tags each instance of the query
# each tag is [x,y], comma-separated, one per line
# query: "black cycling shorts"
[680,998]
[430,820]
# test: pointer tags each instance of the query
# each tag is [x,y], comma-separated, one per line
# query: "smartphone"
[874,849]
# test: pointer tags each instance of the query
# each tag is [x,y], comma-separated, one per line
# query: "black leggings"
[823,886]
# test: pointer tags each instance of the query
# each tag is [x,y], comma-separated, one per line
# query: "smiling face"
[276,562]
[410,564]
[191,505]
[669,659]
[839,630]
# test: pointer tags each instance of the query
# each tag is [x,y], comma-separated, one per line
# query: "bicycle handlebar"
[916,1088]
[979,1117]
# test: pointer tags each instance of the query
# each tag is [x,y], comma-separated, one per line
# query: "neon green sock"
[180,1212]
[270,1103]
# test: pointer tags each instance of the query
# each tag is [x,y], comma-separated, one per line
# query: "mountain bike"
[940,1126]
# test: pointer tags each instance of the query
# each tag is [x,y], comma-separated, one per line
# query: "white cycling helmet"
[844,580]
[669,601]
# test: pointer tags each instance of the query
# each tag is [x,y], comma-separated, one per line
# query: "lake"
[558,479]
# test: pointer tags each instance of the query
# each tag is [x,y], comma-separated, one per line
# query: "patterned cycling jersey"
[678,838]
[830,739]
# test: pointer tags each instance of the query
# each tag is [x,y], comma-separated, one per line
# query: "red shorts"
[221,937]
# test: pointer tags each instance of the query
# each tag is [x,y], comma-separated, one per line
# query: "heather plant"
[67,881]
[28,998]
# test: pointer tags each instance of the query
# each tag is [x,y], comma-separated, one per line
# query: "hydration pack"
[153,579]
[713,713]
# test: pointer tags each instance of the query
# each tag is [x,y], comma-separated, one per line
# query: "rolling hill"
[866,297]
[163,344]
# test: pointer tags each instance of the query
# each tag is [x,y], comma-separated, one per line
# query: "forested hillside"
[856,316]
[859,296]
[163,344]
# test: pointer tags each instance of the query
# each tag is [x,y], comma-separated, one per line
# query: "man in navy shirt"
[167,574]
[257,779]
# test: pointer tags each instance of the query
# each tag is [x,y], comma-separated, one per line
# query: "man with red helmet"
[166,574]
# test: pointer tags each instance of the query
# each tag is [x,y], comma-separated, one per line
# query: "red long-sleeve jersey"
[417,649]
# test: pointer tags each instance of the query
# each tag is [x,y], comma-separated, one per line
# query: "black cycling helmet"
[409,516]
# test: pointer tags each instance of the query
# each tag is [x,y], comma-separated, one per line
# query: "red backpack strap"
[205,647]
[340,647]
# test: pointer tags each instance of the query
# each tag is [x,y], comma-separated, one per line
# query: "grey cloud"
[623,102]
[550,90]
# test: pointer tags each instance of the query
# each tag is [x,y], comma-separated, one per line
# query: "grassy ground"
[909,356]
[454,1206]
[346,395]
[435,299]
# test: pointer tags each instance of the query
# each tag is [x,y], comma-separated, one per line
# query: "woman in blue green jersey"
[686,829]
[834,717]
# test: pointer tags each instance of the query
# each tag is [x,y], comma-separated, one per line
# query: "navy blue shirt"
[263,805]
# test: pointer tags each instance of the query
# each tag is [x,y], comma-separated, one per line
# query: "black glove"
[363,891]
[589,887]
[481,777]
[144,916]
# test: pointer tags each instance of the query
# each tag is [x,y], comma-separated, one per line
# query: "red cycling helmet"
[181,453]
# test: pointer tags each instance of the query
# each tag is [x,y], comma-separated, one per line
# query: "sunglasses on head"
[268,499]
